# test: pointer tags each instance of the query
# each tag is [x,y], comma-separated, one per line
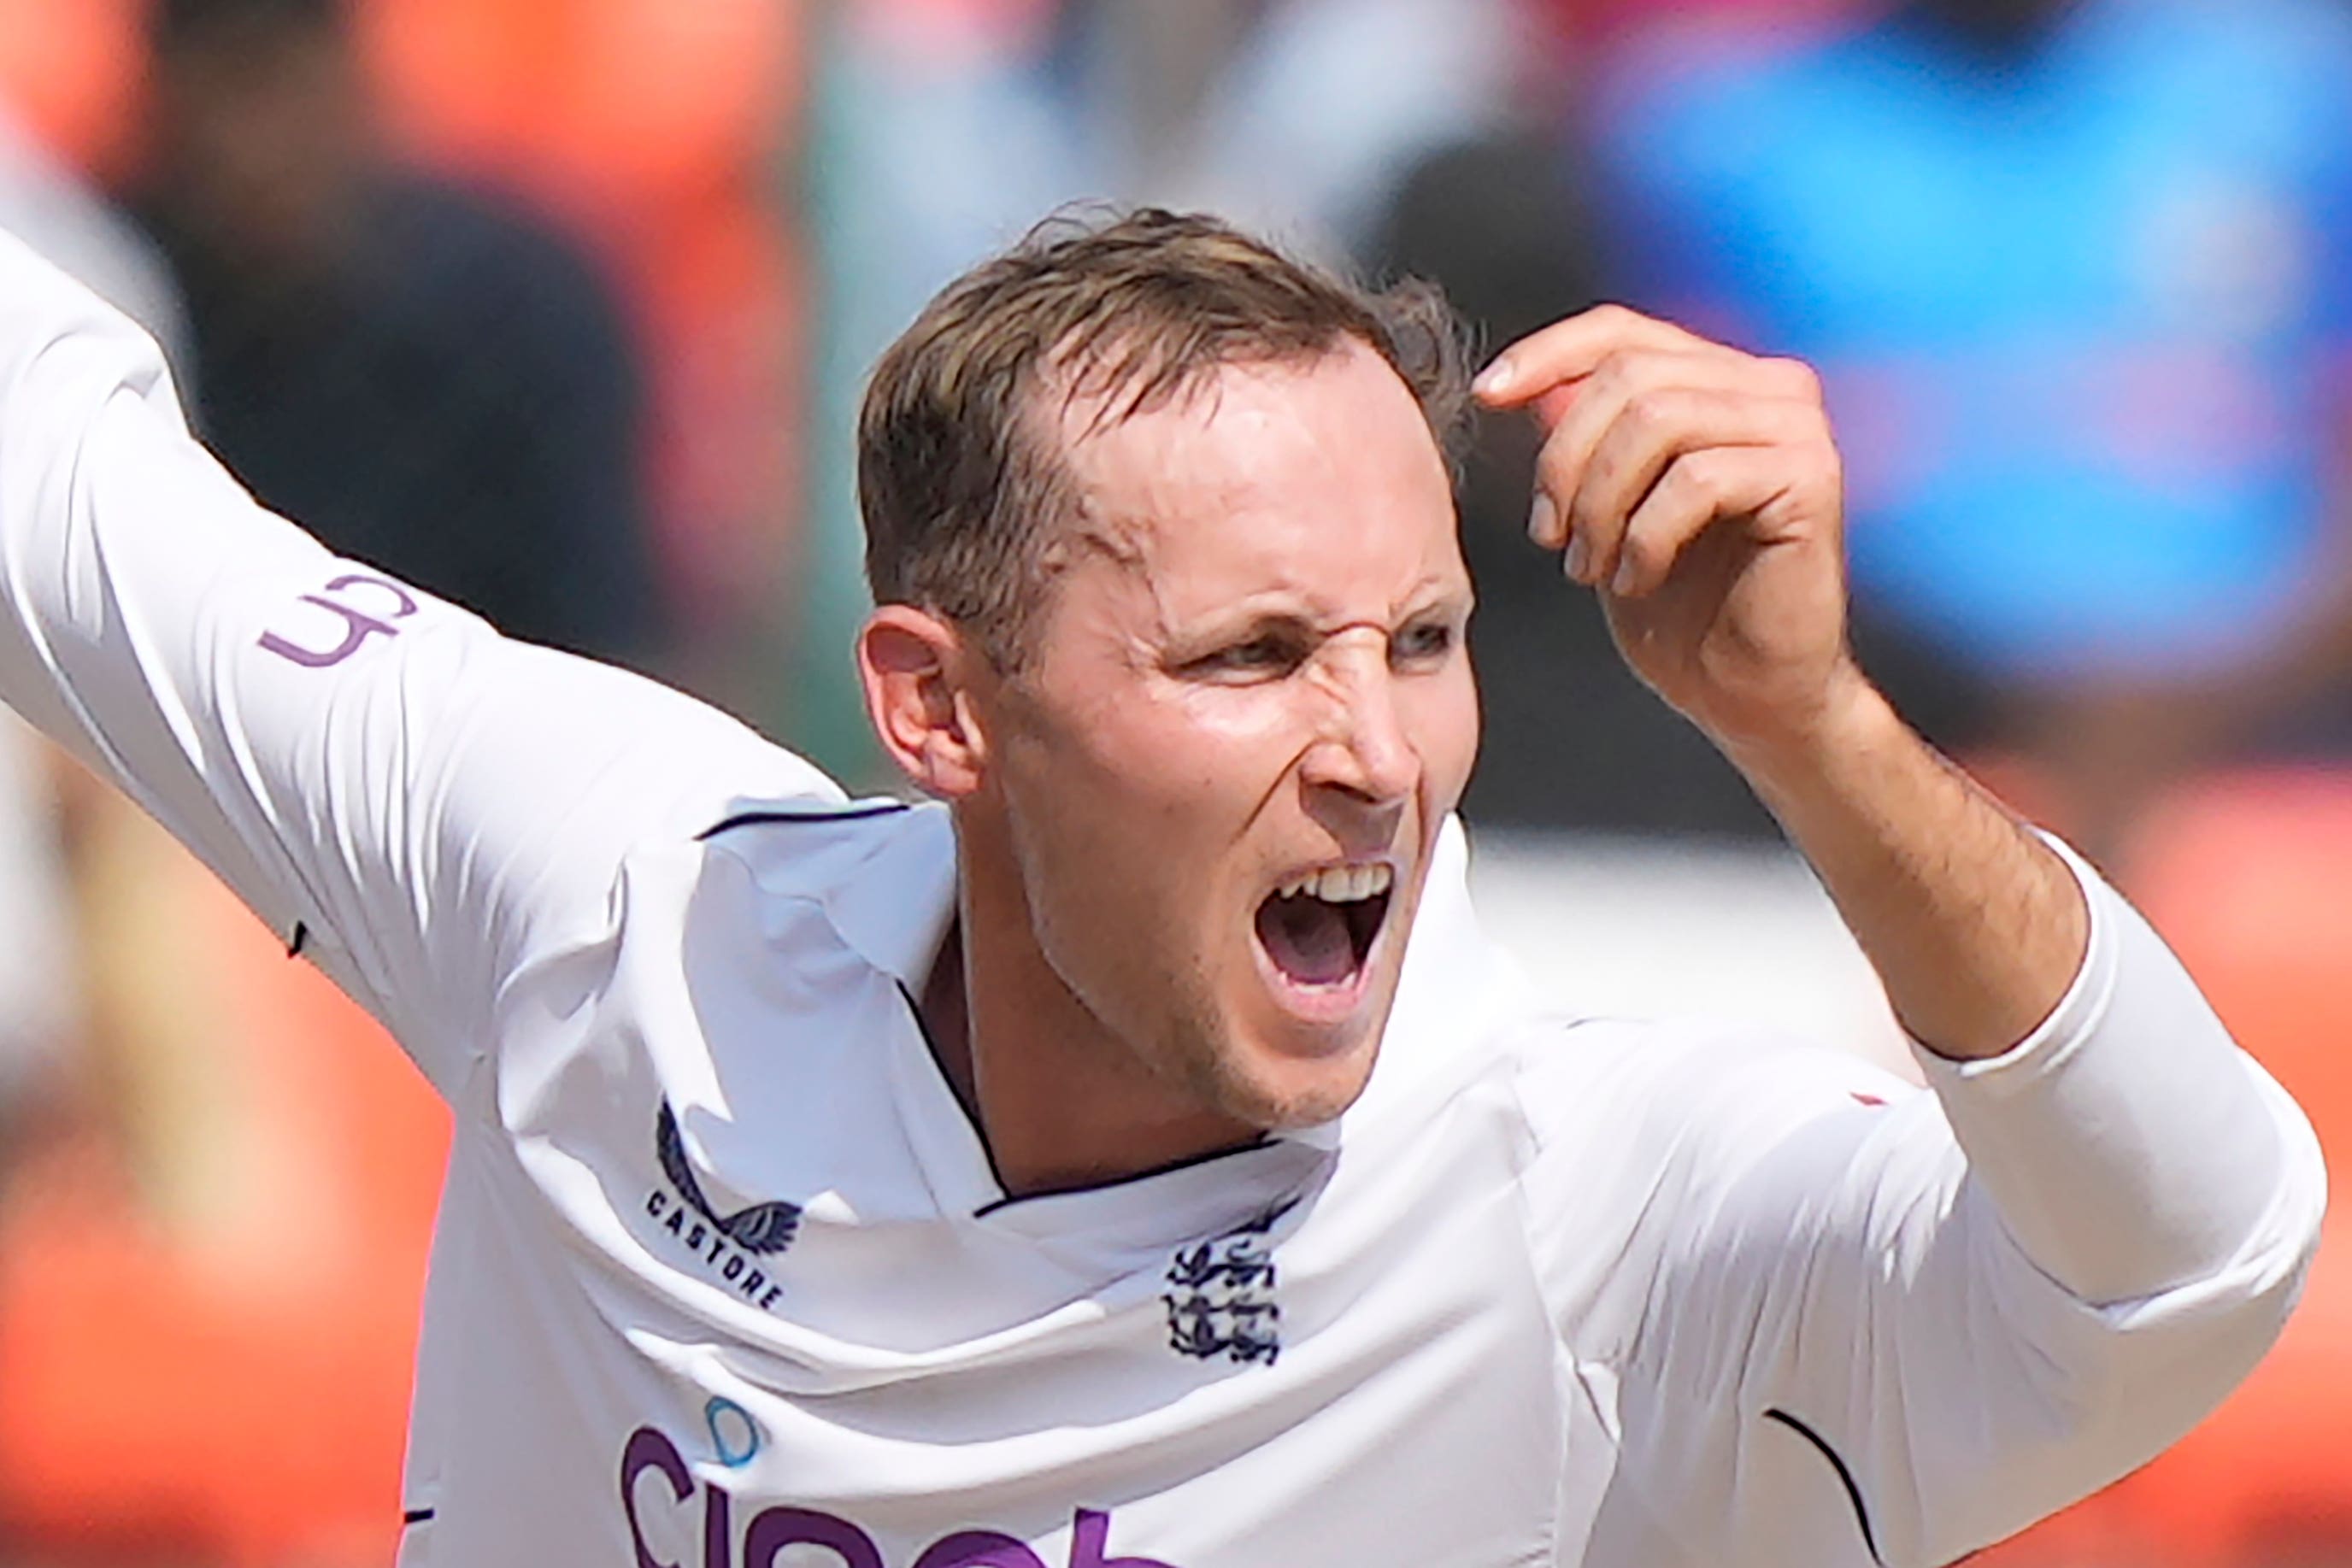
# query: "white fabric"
[43,205]
[1599,1292]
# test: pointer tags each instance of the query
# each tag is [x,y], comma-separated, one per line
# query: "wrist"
[1848,720]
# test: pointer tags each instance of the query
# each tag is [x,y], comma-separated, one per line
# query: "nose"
[1362,752]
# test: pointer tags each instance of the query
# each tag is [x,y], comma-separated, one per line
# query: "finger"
[1617,384]
[1655,430]
[1570,350]
[1698,491]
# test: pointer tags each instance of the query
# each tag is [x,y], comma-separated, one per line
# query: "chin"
[1278,1093]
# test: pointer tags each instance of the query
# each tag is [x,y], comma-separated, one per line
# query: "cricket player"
[1134,1158]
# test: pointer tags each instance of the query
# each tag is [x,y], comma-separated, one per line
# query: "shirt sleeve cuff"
[2069,1024]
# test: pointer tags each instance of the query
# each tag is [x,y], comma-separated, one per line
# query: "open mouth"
[1318,929]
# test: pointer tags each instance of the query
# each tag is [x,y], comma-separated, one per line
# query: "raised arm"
[397,789]
[1995,1301]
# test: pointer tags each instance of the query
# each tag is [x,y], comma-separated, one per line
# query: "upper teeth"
[1339,883]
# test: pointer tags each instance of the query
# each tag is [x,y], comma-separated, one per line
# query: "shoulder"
[813,845]
[880,872]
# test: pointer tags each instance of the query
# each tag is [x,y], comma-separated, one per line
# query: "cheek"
[1146,792]
[1444,715]
[1201,753]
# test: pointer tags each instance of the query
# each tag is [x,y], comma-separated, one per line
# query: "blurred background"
[562,308]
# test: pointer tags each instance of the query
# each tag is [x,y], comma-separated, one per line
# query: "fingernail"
[1624,577]
[1580,556]
[1495,377]
[1543,521]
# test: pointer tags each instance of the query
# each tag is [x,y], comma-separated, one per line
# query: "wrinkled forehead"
[1336,423]
[1256,464]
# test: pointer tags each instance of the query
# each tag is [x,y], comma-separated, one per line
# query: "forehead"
[1318,477]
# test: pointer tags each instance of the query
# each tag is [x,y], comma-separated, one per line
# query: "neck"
[1060,1101]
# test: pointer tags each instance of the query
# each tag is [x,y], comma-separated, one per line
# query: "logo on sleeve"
[349,624]
[725,1244]
[1219,1296]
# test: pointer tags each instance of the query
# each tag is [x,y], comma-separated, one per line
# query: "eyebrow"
[1444,600]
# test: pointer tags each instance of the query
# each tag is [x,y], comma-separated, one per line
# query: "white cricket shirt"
[723,1279]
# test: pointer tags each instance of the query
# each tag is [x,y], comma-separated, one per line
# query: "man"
[1009,1181]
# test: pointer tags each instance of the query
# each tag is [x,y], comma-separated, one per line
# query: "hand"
[1698,489]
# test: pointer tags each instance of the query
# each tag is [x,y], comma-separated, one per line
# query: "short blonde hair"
[957,483]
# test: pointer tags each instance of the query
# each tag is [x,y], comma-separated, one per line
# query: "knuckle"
[1800,379]
[1700,479]
[1620,369]
[1556,468]
[1586,514]
[1652,410]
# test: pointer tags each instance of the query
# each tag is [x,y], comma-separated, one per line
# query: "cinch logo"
[772,1530]
[352,625]
[726,1243]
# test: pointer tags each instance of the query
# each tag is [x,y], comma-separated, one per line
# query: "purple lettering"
[655,1203]
[768,1301]
[676,1223]
[404,604]
[694,1238]
[718,1528]
[357,627]
[648,1450]
[978,1549]
[774,1529]
[752,1285]
[1090,1538]
[732,1269]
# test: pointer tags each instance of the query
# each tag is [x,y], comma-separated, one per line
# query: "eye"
[1422,642]
[1267,653]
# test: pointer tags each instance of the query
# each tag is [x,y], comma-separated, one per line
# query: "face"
[1247,708]
[265,140]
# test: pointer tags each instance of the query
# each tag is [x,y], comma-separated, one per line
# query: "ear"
[913,666]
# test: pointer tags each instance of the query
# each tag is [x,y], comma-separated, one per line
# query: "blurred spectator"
[652,131]
[1588,23]
[1255,137]
[426,378]
[2077,275]
[1502,221]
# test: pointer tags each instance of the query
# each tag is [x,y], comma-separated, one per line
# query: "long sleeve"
[399,792]
[1853,1323]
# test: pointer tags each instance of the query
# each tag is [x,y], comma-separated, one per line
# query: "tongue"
[1307,940]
